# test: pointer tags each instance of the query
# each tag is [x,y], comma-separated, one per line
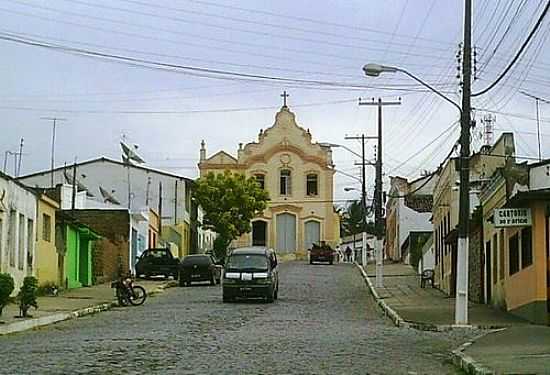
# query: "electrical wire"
[186,69]
[518,54]
[221,110]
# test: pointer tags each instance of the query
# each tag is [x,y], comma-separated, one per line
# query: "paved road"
[323,323]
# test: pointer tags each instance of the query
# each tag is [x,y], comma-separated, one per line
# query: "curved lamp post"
[461,305]
[374,70]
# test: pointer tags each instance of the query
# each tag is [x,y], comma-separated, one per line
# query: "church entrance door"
[286,233]
[259,233]
[313,233]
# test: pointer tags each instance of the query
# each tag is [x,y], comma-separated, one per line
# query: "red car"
[321,253]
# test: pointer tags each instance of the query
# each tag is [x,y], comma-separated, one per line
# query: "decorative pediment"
[221,157]
[285,135]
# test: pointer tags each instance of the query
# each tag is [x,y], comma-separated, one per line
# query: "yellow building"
[516,255]
[47,267]
[297,173]
[446,204]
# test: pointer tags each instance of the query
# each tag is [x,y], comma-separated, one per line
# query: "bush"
[6,288]
[27,295]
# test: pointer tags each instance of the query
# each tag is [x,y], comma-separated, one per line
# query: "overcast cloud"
[319,40]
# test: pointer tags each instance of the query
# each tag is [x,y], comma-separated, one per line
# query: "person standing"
[348,254]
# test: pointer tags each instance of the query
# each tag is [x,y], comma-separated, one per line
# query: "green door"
[72,269]
[84,262]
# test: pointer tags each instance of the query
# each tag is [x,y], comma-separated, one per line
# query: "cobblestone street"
[323,323]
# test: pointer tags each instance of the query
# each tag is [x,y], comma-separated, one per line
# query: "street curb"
[34,323]
[467,363]
[398,321]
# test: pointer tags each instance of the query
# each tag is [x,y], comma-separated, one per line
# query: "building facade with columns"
[298,174]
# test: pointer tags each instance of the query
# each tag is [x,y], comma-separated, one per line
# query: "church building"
[297,173]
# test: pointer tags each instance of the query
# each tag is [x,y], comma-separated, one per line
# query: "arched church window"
[260,179]
[312,185]
[285,182]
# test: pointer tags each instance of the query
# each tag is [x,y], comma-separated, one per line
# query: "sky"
[168,111]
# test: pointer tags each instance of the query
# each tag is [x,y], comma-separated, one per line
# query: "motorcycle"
[127,293]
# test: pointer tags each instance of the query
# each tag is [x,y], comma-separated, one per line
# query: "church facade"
[297,173]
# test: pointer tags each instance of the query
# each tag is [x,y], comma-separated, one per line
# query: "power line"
[186,69]
[222,110]
[260,23]
[225,27]
[518,54]
[310,20]
[452,127]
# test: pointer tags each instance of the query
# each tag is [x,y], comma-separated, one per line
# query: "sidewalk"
[518,347]
[71,304]
[516,350]
[429,308]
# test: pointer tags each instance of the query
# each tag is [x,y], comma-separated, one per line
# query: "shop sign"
[512,217]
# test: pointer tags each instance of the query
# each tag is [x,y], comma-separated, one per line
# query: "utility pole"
[147,192]
[378,203]
[537,100]
[461,301]
[73,200]
[160,208]
[6,153]
[176,203]
[363,163]
[20,153]
[54,120]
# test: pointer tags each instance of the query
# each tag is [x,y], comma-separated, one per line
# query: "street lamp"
[461,305]
[374,70]
[328,144]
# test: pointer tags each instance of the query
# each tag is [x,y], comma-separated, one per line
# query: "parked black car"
[199,267]
[154,262]
[251,272]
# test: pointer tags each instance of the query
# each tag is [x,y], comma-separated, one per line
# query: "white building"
[409,209]
[126,185]
[18,207]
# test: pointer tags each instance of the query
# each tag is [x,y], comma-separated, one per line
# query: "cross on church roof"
[284,95]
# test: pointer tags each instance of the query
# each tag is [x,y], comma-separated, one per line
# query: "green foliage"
[353,220]
[6,288]
[27,295]
[230,202]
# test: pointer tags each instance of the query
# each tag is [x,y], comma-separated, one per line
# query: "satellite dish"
[129,153]
[79,185]
[107,197]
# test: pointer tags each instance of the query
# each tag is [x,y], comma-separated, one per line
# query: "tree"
[353,219]
[6,287]
[230,202]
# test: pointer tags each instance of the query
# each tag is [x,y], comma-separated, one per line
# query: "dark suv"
[251,272]
[158,261]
